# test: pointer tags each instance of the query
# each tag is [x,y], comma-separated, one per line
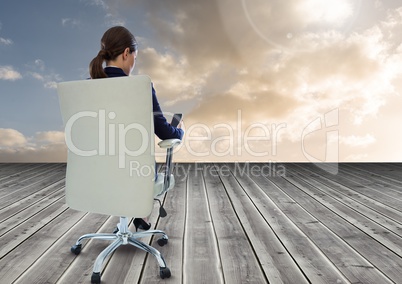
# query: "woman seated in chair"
[119,51]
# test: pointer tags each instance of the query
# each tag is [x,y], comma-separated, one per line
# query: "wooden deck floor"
[227,223]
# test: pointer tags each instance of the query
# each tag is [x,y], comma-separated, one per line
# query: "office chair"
[111,163]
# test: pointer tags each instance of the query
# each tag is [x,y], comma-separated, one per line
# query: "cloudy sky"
[256,80]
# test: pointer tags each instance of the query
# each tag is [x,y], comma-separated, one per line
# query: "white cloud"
[113,19]
[45,146]
[50,85]
[39,64]
[11,138]
[356,157]
[50,153]
[37,76]
[357,141]
[70,22]
[173,78]
[50,136]
[5,41]
[99,3]
[41,73]
[8,73]
[110,8]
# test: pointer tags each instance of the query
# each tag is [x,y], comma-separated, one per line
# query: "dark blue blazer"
[162,128]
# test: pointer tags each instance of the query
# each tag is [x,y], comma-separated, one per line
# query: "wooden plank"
[24,177]
[239,261]
[315,265]
[29,201]
[379,257]
[351,199]
[5,167]
[323,195]
[391,214]
[53,259]
[127,262]
[356,185]
[17,219]
[25,230]
[20,259]
[10,170]
[377,185]
[20,196]
[18,193]
[201,263]
[355,268]
[385,176]
[275,261]
[80,270]
[173,224]
[125,266]
[385,170]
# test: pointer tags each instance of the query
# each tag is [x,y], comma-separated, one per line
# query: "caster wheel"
[95,278]
[165,272]
[76,249]
[162,241]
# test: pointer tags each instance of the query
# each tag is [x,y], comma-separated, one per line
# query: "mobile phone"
[176,119]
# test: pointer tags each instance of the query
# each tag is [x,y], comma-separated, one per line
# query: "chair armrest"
[169,143]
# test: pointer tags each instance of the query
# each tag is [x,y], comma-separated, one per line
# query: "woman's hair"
[113,43]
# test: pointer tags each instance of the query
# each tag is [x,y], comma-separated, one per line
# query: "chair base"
[124,237]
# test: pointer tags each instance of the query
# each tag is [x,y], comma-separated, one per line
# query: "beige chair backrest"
[110,137]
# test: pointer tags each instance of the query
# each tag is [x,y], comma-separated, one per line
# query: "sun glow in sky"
[333,12]
[261,80]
